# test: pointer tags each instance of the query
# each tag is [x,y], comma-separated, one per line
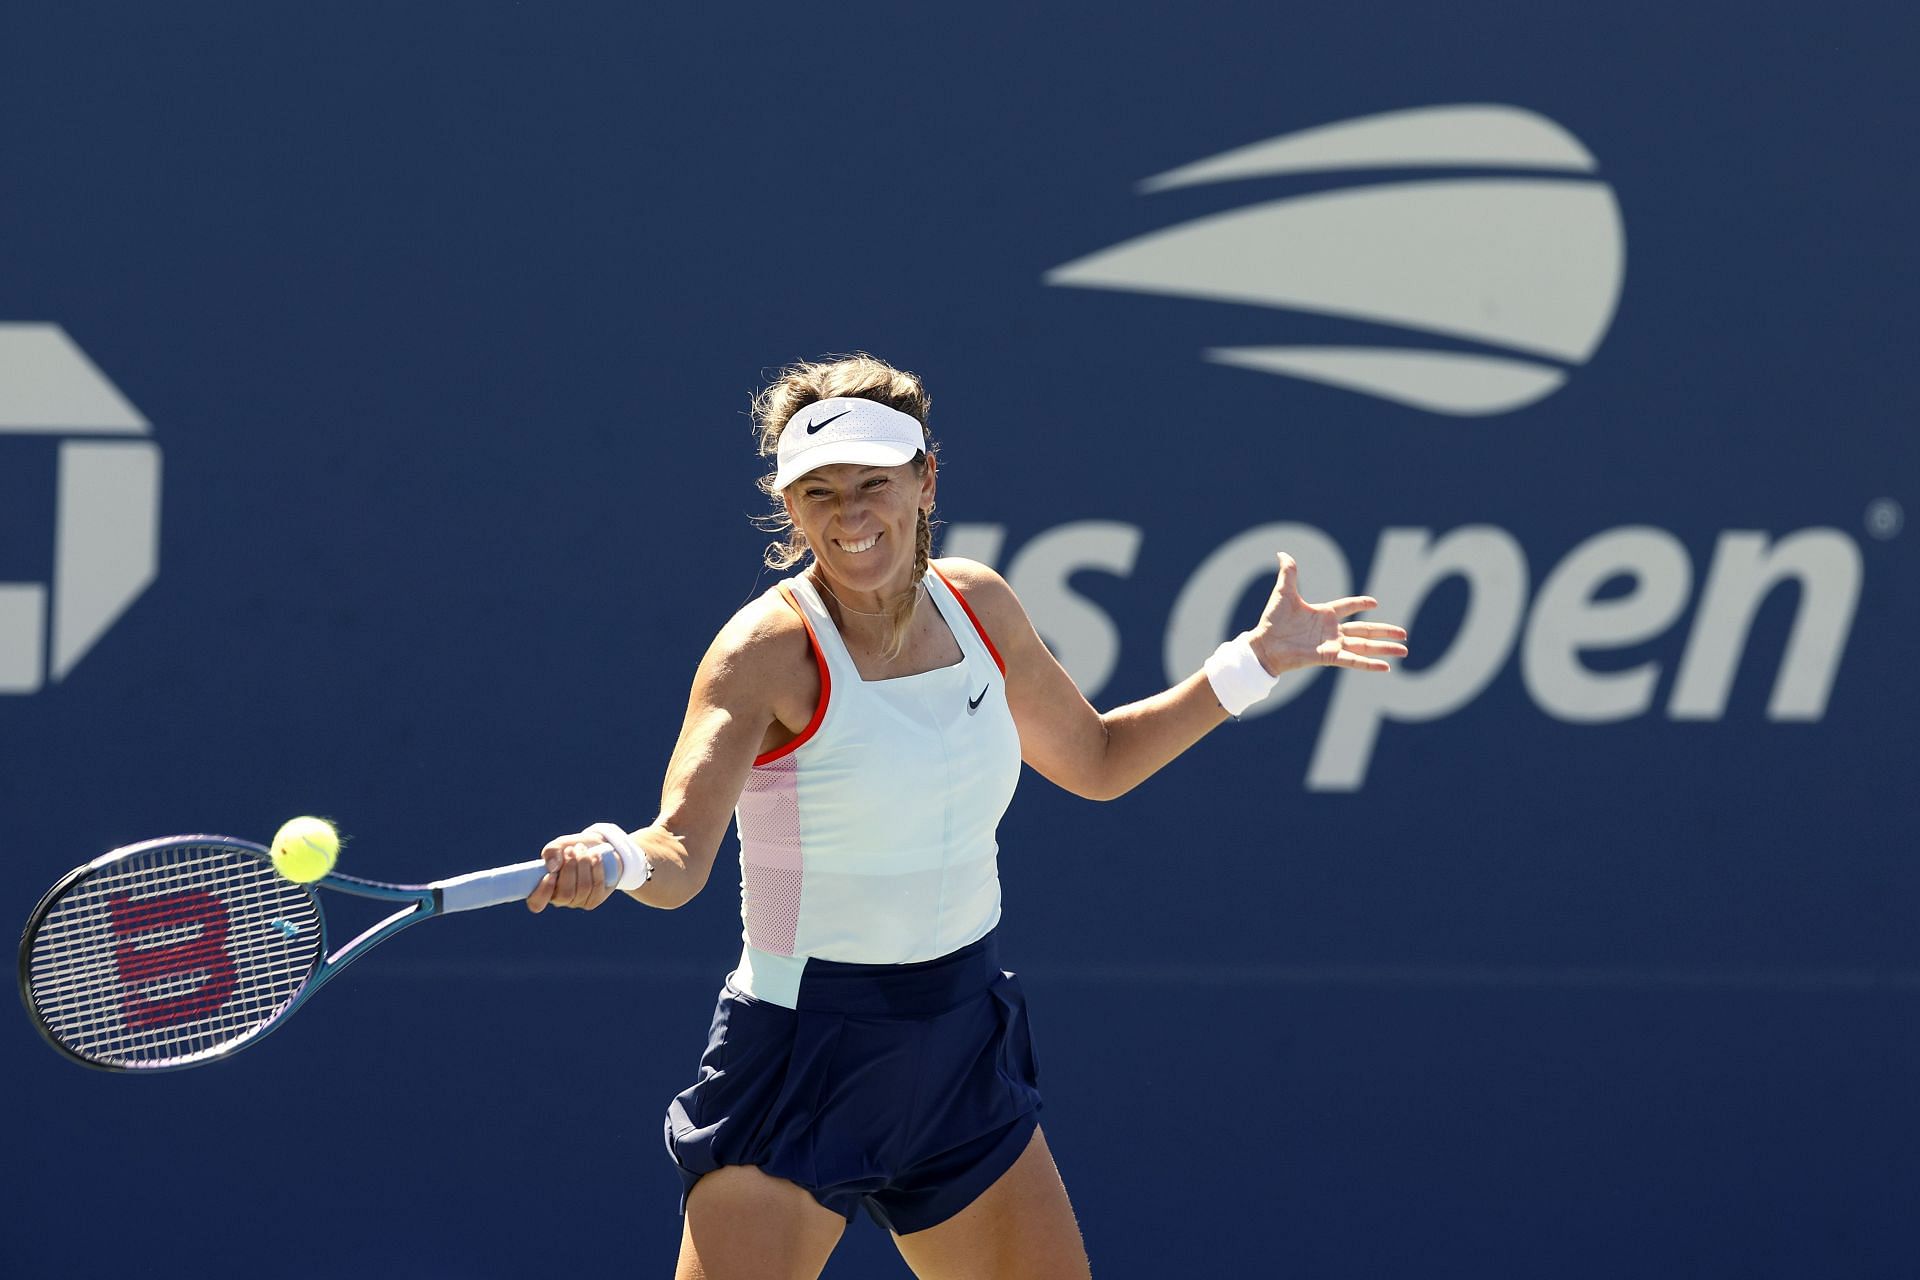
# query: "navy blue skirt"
[905,1089]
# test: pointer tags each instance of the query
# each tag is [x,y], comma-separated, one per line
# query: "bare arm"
[1103,756]
[757,672]
[718,740]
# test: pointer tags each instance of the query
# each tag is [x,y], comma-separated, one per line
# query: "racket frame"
[421,902]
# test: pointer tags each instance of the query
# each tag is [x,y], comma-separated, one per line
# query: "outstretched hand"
[1292,633]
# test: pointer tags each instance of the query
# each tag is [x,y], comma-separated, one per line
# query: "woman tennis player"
[864,723]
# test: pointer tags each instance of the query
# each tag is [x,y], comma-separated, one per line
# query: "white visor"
[846,429]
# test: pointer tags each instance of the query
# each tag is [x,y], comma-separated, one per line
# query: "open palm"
[1292,633]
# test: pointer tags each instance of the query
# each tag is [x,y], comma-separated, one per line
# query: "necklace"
[821,582]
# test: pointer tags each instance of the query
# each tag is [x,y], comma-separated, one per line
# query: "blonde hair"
[806,382]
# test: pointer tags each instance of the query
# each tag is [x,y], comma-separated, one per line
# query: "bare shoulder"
[987,593]
[763,645]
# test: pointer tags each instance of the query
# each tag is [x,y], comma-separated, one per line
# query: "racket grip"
[508,884]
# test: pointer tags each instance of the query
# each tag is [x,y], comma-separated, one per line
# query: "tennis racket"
[177,952]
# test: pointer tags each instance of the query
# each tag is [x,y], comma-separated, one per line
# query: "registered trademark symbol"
[1885,518]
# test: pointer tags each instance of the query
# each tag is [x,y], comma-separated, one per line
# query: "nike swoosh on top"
[973,704]
[815,426]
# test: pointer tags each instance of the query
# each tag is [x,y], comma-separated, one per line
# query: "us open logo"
[107,510]
[1527,267]
[1488,293]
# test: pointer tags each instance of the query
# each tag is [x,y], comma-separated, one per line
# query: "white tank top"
[870,837]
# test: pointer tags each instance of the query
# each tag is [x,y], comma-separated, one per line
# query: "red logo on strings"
[204,951]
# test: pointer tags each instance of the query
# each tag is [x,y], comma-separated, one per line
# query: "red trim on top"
[974,618]
[826,684]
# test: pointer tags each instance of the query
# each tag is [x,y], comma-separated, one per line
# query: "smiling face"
[861,524]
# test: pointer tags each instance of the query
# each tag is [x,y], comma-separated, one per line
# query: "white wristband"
[635,870]
[1237,677]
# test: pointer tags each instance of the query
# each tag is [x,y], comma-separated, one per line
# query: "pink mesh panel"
[773,908]
[771,862]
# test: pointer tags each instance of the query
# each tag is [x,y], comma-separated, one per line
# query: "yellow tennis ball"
[304,849]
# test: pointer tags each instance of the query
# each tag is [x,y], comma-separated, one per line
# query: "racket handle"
[508,884]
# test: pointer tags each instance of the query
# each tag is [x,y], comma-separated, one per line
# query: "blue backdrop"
[373,443]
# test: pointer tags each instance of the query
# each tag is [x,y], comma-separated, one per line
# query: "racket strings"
[172,953]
